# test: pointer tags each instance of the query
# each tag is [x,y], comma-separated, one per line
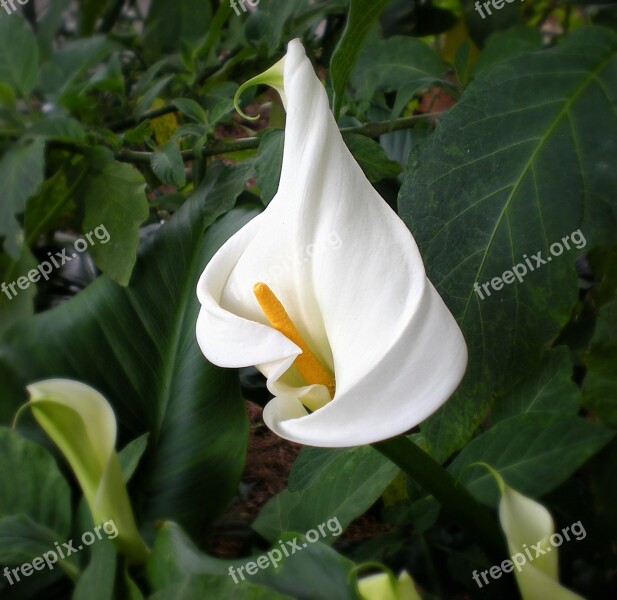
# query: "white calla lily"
[347,324]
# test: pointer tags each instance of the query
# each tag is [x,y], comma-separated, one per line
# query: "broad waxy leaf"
[371,157]
[550,389]
[401,64]
[168,165]
[600,386]
[26,469]
[334,483]
[534,452]
[362,15]
[269,162]
[14,307]
[35,511]
[22,169]
[148,365]
[18,54]
[519,164]
[315,572]
[115,199]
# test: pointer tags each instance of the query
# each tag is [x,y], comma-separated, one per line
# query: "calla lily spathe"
[81,422]
[362,311]
[527,524]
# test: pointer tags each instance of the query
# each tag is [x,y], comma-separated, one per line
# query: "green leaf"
[61,129]
[548,389]
[168,165]
[53,203]
[169,23]
[507,44]
[362,15]
[600,385]
[317,572]
[115,199]
[371,157]
[22,170]
[47,25]
[19,305]
[533,452]
[97,580]
[269,162]
[517,165]
[339,484]
[131,454]
[89,12]
[71,61]
[149,366]
[32,484]
[191,109]
[402,64]
[19,55]
[217,588]
[7,96]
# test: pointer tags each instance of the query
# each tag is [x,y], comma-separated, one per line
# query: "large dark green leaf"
[326,485]
[520,163]
[362,15]
[18,54]
[402,64]
[548,389]
[533,452]
[22,169]
[115,202]
[314,572]
[170,22]
[35,512]
[71,61]
[371,157]
[32,484]
[269,162]
[137,346]
[15,306]
[600,388]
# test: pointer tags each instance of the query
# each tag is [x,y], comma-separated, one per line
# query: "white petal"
[527,523]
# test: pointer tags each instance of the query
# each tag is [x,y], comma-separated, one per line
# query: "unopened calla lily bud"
[82,424]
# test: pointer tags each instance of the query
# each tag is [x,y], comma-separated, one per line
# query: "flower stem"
[427,472]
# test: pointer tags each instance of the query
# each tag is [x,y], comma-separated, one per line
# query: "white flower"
[82,424]
[529,530]
[385,352]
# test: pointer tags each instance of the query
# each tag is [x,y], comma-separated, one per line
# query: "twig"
[371,130]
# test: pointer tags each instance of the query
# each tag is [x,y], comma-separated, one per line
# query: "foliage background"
[492,138]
